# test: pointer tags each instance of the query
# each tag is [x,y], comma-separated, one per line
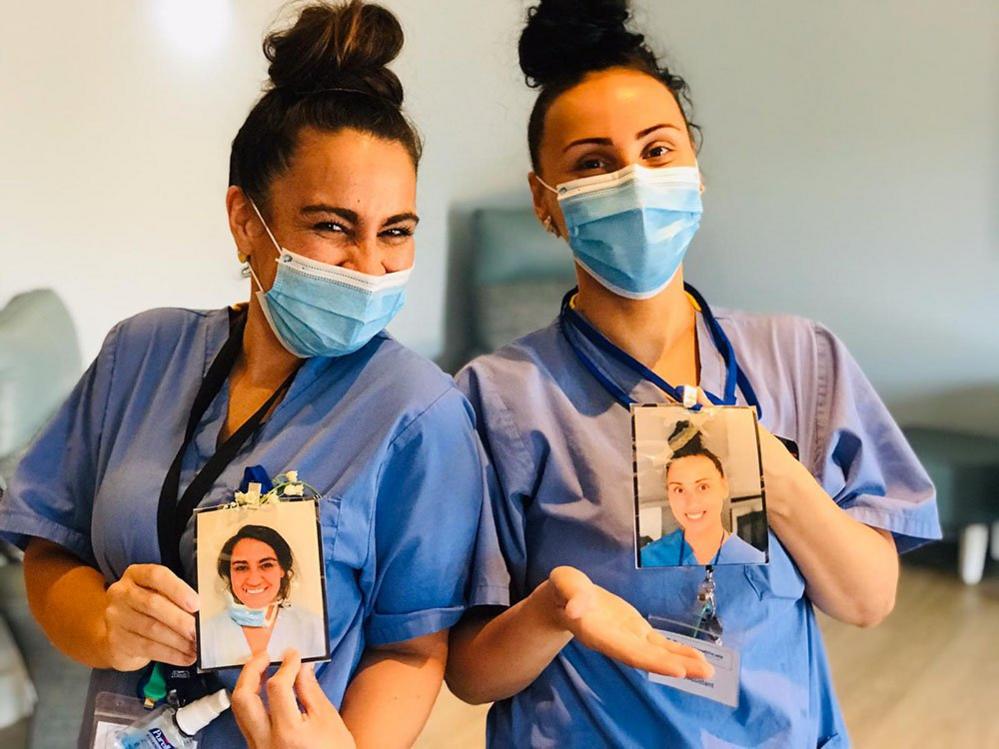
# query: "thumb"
[574,591]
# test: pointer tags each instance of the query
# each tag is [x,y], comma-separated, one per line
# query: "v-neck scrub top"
[560,450]
[382,434]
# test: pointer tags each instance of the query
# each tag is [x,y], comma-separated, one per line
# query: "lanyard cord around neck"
[173,514]
[734,376]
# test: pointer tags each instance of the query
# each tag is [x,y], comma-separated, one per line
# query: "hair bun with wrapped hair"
[327,72]
[564,38]
[334,48]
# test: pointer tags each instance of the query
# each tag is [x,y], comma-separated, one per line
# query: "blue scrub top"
[560,447]
[672,549]
[382,434]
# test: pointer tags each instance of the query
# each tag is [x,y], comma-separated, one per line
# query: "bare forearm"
[391,696]
[67,598]
[497,658]
[851,569]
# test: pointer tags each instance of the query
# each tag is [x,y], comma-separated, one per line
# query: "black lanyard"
[734,375]
[173,515]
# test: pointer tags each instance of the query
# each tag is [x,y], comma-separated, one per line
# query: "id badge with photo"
[261,578]
[699,498]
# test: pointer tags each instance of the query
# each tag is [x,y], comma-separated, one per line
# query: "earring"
[550,226]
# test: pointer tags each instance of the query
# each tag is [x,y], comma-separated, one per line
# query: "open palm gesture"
[610,625]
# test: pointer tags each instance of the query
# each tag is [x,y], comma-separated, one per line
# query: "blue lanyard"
[734,376]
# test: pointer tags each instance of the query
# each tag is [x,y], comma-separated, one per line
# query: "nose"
[365,257]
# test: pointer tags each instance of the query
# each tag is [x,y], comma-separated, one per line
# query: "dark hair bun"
[343,46]
[564,38]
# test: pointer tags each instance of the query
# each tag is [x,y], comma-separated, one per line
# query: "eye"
[398,232]
[591,163]
[330,226]
[240,567]
[658,151]
[267,565]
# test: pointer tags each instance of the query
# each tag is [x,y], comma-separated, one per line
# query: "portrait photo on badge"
[260,583]
[698,486]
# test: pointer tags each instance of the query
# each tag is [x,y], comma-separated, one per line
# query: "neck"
[705,545]
[659,332]
[263,361]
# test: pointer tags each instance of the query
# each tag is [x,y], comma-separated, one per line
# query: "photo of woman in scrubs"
[321,205]
[697,491]
[256,566]
[560,636]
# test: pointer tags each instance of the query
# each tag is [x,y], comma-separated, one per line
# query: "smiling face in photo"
[697,492]
[255,573]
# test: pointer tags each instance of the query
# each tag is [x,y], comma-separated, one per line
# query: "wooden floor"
[928,677]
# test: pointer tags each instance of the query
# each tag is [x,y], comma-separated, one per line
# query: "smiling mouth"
[695,515]
[254,591]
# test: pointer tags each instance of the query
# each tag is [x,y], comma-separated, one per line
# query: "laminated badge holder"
[180,686]
[707,623]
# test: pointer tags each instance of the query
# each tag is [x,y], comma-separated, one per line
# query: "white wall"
[852,154]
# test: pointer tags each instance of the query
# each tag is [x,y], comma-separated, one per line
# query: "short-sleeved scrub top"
[382,434]
[560,447]
[672,549]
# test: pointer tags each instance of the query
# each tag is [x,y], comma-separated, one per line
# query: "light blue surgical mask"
[630,229]
[318,309]
[244,616]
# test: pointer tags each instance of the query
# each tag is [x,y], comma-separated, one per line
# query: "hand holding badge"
[699,501]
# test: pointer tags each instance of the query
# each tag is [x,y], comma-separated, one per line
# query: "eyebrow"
[344,213]
[352,217]
[680,483]
[246,561]
[397,218]
[607,141]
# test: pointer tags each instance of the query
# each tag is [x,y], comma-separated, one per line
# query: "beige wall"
[851,152]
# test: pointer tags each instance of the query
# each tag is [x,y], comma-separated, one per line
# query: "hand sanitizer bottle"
[173,728]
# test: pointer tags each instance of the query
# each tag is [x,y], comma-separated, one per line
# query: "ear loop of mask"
[273,241]
[549,223]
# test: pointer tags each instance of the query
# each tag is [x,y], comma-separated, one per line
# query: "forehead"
[615,103]
[347,168]
[693,466]
[251,548]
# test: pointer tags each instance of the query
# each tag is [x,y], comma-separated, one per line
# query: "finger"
[150,603]
[252,675]
[141,624]
[311,695]
[164,581]
[693,661]
[281,692]
[567,581]
[135,645]
[580,604]
[247,706]
[660,640]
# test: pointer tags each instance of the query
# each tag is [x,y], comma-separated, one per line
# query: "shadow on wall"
[972,409]
[506,276]
[458,307]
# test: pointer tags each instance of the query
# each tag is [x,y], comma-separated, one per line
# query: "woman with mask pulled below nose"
[179,402]
[560,635]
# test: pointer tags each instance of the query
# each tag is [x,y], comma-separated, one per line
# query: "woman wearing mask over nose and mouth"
[560,635]
[321,206]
